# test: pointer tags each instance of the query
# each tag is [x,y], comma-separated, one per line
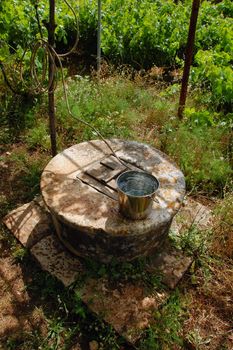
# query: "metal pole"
[51,104]
[188,56]
[99,37]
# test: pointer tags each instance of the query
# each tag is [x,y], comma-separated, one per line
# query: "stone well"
[78,187]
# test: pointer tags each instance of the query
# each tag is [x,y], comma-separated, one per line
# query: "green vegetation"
[135,98]
[166,332]
[117,272]
[141,33]
[209,170]
[120,107]
[27,172]
[222,243]
[200,144]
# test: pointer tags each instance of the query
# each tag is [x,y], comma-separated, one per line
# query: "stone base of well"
[79,189]
[127,306]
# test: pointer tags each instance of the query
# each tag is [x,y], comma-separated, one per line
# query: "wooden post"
[99,37]
[188,56]
[51,105]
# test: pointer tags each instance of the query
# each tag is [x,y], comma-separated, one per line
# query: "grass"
[71,319]
[167,329]
[202,155]
[117,107]
[200,144]
[27,169]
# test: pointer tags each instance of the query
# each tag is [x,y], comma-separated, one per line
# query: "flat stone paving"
[128,307]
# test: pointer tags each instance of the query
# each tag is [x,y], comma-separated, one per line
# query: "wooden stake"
[188,56]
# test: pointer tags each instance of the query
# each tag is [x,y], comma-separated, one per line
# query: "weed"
[38,137]
[5,205]
[48,286]
[103,334]
[55,328]
[166,330]
[193,240]
[135,271]
[70,317]
[21,254]
[195,339]
[111,107]
[119,108]
[79,308]
[24,341]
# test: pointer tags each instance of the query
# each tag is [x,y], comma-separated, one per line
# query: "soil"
[24,312]
[20,313]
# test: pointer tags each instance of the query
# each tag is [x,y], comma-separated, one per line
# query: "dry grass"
[205,328]
[210,309]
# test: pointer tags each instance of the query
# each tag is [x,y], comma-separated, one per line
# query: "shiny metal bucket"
[136,191]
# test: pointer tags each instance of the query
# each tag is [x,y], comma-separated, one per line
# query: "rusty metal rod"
[188,56]
[99,37]
[51,72]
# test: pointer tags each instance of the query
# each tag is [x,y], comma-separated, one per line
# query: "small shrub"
[214,73]
[193,241]
[38,137]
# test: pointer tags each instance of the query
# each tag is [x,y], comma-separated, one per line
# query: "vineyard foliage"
[142,33]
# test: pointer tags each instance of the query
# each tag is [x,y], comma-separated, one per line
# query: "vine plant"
[45,49]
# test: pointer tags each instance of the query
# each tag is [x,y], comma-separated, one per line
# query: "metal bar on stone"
[188,56]
[51,106]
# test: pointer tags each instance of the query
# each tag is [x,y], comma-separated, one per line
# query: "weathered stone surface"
[170,263]
[88,220]
[128,307]
[192,213]
[101,246]
[52,257]
[29,223]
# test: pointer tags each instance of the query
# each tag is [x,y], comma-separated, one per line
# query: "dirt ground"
[20,313]
[24,313]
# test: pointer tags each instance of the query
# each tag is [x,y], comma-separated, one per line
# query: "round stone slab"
[85,211]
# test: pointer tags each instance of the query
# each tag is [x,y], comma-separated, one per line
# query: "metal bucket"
[136,191]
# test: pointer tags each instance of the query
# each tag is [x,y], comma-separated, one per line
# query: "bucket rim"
[141,172]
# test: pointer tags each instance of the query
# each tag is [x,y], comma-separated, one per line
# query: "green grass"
[129,271]
[201,144]
[70,319]
[110,107]
[202,155]
[167,328]
[27,172]
[119,107]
